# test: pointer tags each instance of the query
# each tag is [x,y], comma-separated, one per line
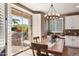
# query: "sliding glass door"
[20,27]
[16,30]
[20,31]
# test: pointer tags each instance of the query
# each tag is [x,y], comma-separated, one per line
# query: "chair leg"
[58,54]
[33,52]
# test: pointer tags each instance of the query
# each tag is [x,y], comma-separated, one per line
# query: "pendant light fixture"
[52,13]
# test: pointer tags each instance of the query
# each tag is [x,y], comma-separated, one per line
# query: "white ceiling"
[60,7]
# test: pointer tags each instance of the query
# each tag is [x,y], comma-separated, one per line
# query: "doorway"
[20,32]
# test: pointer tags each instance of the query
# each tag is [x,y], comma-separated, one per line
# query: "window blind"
[2,25]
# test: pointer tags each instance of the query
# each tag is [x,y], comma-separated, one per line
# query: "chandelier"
[52,13]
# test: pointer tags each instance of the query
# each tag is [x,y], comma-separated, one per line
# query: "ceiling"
[62,8]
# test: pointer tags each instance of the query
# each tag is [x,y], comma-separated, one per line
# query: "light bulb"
[53,17]
[58,14]
[53,13]
[50,17]
[45,15]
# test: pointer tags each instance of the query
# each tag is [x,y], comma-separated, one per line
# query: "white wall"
[43,26]
[8,24]
[72,22]
[37,25]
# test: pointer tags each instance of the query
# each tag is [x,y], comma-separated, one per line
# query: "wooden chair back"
[39,48]
[36,39]
[44,37]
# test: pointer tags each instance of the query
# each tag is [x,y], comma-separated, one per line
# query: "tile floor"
[26,53]
[16,49]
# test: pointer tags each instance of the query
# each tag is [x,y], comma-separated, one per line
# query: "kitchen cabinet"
[72,44]
[72,41]
[73,52]
[72,22]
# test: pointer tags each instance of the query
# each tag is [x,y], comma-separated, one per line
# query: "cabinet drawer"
[76,52]
[73,51]
[72,41]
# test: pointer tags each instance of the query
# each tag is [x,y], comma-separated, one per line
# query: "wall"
[36,25]
[8,28]
[43,24]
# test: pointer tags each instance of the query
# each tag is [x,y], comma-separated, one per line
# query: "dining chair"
[36,39]
[39,49]
[43,37]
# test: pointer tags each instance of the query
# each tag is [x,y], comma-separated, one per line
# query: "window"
[56,25]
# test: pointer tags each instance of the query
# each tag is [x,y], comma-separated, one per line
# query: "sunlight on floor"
[26,53]
[16,49]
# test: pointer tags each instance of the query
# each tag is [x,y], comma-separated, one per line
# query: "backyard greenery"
[19,27]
